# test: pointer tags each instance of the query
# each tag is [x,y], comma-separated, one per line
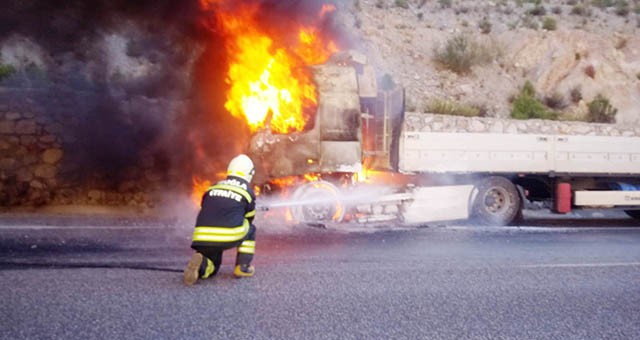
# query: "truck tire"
[317,202]
[633,213]
[497,202]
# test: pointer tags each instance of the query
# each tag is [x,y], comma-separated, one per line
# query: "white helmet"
[241,166]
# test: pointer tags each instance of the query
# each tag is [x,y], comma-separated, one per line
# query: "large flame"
[270,82]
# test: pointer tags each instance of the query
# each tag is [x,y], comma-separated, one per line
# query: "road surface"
[559,279]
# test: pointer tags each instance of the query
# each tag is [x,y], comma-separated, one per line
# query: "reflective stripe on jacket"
[235,189]
[221,234]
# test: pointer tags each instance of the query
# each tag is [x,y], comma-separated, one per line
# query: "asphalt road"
[123,281]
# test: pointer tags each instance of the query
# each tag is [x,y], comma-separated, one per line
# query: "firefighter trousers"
[246,249]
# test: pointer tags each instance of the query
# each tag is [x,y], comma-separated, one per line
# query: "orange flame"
[200,186]
[208,4]
[312,49]
[270,83]
[310,177]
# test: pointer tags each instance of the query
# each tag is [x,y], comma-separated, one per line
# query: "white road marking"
[49,227]
[536,229]
[582,265]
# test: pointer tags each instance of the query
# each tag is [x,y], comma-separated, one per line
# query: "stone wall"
[37,145]
[427,122]
[37,165]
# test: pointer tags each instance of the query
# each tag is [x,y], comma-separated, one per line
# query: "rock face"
[37,165]
[588,51]
[52,156]
[23,172]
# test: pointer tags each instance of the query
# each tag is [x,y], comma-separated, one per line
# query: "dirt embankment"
[559,46]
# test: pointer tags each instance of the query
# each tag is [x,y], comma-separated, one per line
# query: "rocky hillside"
[571,51]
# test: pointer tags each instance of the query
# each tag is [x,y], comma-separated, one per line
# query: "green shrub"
[555,101]
[603,3]
[549,24]
[575,94]
[483,109]
[456,55]
[459,54]
[601,111]
[538,10]
[402,4]
[445,3]
[580,10]
[6,70]
[622,8]
[526,106]
[485,25]
[528,89]
[448,107]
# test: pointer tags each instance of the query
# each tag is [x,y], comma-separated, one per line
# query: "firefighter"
[225,222]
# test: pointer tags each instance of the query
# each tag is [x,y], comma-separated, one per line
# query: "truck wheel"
[633,213]
[317,202]
[497,201]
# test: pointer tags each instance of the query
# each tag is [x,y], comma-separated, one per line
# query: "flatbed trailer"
[423,176]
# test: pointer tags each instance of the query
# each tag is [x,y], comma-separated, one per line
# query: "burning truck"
[363,159]
[333,143]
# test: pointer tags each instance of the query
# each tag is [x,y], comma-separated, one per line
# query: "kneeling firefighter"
[225,222]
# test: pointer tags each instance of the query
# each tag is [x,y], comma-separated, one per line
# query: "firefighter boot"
[192,272]
[244,270]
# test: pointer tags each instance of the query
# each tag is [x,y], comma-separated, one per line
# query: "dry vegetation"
[448,53]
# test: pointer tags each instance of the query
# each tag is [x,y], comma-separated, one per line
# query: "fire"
[200,186]
[312,49]
[284,182]
[311,177]
[287,188]
[270,82]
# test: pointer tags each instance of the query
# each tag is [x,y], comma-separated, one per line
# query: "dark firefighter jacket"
[228,208]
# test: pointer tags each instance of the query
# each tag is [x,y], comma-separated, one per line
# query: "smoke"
[134,83]
[226,135]
[277,16]
[114,74]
